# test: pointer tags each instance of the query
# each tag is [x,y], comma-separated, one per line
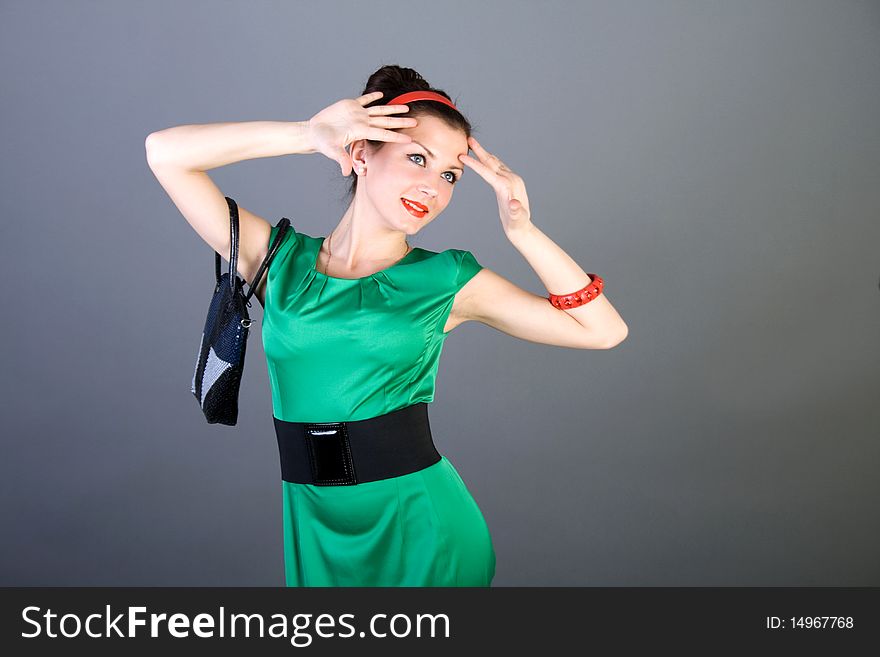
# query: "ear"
[358,150]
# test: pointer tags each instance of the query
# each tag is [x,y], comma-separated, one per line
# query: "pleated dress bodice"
[340,349]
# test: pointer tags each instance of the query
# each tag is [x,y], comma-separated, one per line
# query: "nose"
[427,190]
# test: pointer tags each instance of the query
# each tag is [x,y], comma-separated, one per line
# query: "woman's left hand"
[513,202]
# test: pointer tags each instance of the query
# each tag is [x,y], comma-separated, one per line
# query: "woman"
[354,324]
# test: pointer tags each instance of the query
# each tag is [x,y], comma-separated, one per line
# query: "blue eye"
[454,177]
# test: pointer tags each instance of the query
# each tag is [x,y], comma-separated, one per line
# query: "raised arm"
[497,302]
[179,158]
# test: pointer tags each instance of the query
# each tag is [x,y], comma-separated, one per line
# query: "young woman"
[354,324]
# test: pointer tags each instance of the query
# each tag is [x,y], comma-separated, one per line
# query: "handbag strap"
[283,225]
[233,245]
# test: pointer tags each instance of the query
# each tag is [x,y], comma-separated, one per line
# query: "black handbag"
[220,362]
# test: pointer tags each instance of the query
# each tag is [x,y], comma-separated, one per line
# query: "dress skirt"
[419,529]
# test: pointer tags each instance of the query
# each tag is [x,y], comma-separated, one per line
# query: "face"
[424,172]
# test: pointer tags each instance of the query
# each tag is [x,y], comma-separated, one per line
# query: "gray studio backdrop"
[716,162]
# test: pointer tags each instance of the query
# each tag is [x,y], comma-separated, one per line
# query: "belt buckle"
[330,454]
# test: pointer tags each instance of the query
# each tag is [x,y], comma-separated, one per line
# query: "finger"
[388,135]
[487,157]
[387,109]
[393,122]
[479,150]
[370,97]
[487,173]
[477,164]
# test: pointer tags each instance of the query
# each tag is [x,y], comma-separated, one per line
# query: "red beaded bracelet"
[582,296]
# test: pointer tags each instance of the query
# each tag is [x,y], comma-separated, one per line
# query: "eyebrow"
[434,156]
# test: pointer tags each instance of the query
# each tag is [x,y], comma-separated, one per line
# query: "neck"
[359,238]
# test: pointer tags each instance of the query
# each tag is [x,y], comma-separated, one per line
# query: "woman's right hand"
[336,126]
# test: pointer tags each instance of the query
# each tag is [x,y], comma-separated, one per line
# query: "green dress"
[349,349]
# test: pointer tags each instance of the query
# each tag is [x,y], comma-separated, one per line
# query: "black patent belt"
[347,453]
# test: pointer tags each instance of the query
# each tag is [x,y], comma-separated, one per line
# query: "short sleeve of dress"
[286,249]
[277,274]
[287,236]
[467,268]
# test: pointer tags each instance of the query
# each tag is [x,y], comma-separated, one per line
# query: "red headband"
[411,96]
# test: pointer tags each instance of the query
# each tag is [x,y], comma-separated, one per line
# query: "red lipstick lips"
[415,209]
